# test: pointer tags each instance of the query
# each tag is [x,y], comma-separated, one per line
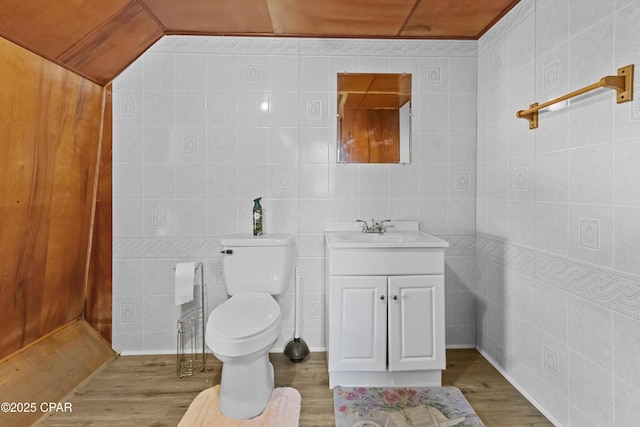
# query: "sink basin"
[395,239]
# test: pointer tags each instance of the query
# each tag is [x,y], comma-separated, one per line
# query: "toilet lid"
[244,315]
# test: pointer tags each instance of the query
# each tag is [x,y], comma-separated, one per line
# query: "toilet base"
[245,387]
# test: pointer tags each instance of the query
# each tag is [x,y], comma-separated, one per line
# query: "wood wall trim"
[98,282]
[53,26]
[50,368]
[110,47]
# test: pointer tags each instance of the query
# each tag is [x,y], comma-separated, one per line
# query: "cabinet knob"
[395,297]
[381,297]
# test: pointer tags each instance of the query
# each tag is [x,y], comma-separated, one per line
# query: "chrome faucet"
[375,227]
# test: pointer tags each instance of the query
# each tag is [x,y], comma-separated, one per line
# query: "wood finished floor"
[145,391]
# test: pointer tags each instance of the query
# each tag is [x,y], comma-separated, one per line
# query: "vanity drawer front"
[395,261]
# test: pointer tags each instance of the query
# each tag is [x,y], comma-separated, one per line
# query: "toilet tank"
[257,263]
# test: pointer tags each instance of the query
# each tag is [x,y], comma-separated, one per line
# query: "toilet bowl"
[240,332]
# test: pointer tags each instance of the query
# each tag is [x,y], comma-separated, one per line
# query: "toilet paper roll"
[185,275]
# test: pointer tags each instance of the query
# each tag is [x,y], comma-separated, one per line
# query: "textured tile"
[626,344]
[589,331]
[591,390]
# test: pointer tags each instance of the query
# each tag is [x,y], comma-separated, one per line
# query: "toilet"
[241,331]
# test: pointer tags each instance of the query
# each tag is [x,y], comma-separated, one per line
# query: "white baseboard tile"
[527,396]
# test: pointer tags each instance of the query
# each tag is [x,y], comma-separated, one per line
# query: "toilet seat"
[244,324]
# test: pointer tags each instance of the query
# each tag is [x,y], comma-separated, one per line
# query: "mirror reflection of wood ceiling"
[371,90]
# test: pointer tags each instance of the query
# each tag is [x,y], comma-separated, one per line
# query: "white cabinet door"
[358,326]
[416,323]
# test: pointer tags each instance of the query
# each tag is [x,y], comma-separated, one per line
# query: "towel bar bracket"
[622,83]
[531,115]
[625,82]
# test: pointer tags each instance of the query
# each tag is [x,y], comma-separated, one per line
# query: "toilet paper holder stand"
[191,356]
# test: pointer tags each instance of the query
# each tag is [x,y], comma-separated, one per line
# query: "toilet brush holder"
[296,350]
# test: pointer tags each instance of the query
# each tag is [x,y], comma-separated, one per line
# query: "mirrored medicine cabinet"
[374,118]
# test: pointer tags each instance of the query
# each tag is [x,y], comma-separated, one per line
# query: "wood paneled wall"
[50,125]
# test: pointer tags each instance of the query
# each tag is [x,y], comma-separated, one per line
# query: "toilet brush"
[296,350]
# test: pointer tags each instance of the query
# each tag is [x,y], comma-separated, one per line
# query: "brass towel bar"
[622,83]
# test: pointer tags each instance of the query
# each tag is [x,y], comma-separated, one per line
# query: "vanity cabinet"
[385,314]
[386,323]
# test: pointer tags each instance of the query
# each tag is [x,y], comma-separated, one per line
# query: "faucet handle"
[381,226]
[365,226]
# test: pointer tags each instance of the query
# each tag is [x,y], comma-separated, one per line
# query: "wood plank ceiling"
[98,39]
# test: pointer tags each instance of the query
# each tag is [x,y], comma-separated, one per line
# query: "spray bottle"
[257,217]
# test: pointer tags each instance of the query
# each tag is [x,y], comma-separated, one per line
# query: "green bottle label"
[257,223]
[257,217]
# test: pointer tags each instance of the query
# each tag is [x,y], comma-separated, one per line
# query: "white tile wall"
[203,125]
[558,252]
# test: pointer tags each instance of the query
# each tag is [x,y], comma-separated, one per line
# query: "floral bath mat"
[402,407]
